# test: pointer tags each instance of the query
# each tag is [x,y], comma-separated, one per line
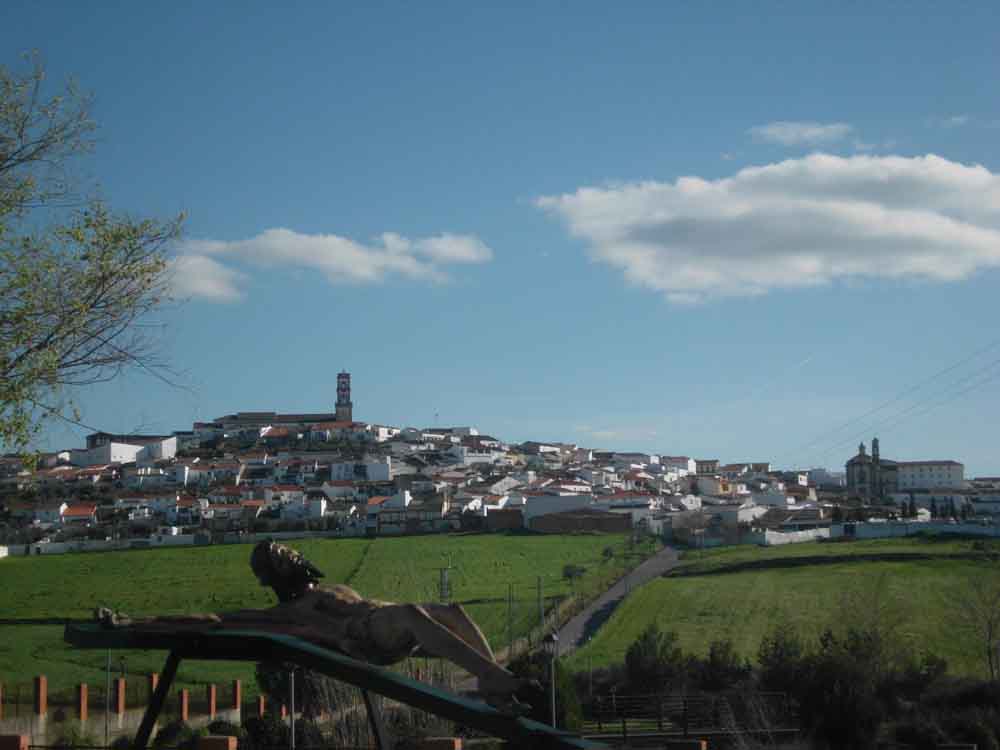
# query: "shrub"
[264,733]
[972,725]
[73,736]
[838,698]
[654,661]
[226,729]
[917,676]
[781,656]
[920,733]
[178,734]
[722,668]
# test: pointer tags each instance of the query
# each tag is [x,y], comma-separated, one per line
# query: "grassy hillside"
[741,593]
[218,578]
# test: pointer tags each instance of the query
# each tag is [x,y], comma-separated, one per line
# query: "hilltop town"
[267,472]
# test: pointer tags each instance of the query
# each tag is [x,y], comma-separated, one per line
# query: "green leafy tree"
[77,282]
[654,661]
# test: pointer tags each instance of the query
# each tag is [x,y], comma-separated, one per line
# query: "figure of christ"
[338,617]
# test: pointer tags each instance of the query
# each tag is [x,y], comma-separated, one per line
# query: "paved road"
[576,632]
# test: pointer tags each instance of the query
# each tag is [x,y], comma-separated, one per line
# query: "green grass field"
[218,578]
[811,586]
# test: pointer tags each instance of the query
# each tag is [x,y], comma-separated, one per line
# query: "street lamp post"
[291,701]
[551,645]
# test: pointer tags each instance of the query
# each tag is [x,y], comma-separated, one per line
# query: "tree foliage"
[654,661]
[77,281]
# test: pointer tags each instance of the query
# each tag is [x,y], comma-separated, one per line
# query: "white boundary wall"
[157,540]
[772,538]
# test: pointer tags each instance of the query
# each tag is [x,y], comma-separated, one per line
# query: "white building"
[467,456]
[825,478]
[108,453]
[151,452]
[683,465]
[371,470]
[926,475]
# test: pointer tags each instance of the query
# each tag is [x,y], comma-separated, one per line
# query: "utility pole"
[444,583]
[541,606]
[510,620]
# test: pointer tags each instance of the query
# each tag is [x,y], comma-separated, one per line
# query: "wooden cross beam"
[185,642]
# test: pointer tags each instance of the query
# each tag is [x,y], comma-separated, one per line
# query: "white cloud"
[800,222]
[198,276]
[454,248]
[801,133]
[339,259]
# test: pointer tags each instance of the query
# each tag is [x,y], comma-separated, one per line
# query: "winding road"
[578,630]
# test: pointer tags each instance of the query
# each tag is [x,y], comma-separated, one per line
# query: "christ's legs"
[455,618]
[394,624]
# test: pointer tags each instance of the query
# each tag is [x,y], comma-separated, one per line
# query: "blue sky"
[482,213]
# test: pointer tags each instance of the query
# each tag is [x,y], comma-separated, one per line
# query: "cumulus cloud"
[801,133]
[339,259]
[198,276]
[797,223]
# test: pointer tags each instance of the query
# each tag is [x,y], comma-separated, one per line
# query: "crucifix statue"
[339,618]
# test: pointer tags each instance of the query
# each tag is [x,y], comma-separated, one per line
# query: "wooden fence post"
[185,698]
[119,706]
[41,695]
[237,694]
[210,696]
[81,701]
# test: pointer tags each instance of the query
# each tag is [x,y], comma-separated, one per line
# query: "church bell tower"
[876,471]
[345,409]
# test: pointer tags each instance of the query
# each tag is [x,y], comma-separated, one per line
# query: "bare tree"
[977,608]
[77,283]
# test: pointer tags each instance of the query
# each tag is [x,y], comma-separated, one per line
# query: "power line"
[822,438]
[909,412]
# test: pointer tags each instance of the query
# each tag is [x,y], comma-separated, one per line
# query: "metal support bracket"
[157,701]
